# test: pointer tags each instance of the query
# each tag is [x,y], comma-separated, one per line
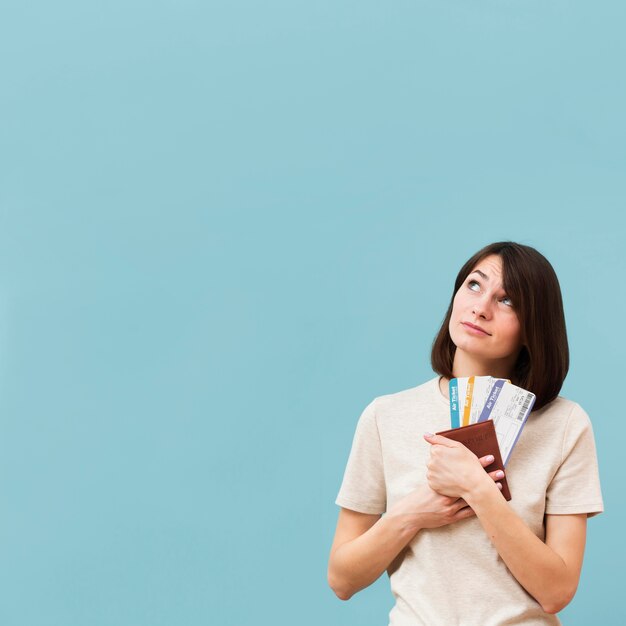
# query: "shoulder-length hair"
[531,283]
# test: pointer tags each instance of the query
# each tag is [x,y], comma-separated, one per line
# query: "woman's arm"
[363,548]
[365,545]
[548,571]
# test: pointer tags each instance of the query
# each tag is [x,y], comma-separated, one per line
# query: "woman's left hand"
[453,469]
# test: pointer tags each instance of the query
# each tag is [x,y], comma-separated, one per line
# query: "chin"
[473,350]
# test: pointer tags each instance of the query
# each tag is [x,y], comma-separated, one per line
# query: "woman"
[457,553]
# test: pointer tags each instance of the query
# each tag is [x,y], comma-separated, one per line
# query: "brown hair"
[531,283]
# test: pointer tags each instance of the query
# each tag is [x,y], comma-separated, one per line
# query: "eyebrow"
[481,273]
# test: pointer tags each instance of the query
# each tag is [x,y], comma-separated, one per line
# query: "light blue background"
[224,228]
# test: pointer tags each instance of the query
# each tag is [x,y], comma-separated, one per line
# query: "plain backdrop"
[225,227]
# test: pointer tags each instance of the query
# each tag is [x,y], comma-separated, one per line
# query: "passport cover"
[481,439]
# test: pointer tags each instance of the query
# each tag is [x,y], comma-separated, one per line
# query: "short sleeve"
[575,487]
[363,487]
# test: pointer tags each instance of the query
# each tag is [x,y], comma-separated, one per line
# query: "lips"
[476,328]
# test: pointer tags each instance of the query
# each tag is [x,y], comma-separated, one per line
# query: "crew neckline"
[437,390]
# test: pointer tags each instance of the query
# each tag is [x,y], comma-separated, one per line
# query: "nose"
[482,307]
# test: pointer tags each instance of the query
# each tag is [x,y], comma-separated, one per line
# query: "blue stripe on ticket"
[454,403]
[493,396]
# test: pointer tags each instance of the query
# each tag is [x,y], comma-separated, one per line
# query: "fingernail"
[428,435]
[499,474]
[499,486]
[490,458]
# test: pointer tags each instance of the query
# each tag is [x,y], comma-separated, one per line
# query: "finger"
[496,475]
[461,504]
[499,486]
[444,441]
[485,461]
[464,513]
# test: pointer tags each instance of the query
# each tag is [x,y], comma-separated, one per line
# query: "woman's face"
[482,302]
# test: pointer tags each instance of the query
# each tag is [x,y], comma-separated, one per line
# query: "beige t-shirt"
[453,575]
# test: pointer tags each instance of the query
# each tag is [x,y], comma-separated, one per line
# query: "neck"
[465,364]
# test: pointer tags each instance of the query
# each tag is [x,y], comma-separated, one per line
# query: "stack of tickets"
[479,398]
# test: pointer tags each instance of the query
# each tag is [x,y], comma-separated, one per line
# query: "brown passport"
[481,439]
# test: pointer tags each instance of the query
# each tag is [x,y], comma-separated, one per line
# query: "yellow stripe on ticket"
[467,410]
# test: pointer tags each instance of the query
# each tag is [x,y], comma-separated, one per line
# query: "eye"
[473,282]
[507,301]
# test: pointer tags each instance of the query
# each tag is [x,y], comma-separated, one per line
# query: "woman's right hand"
[425,508]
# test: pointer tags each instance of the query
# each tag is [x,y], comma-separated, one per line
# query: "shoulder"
[423,393]
[562,414]
[396,409]
[562,408]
